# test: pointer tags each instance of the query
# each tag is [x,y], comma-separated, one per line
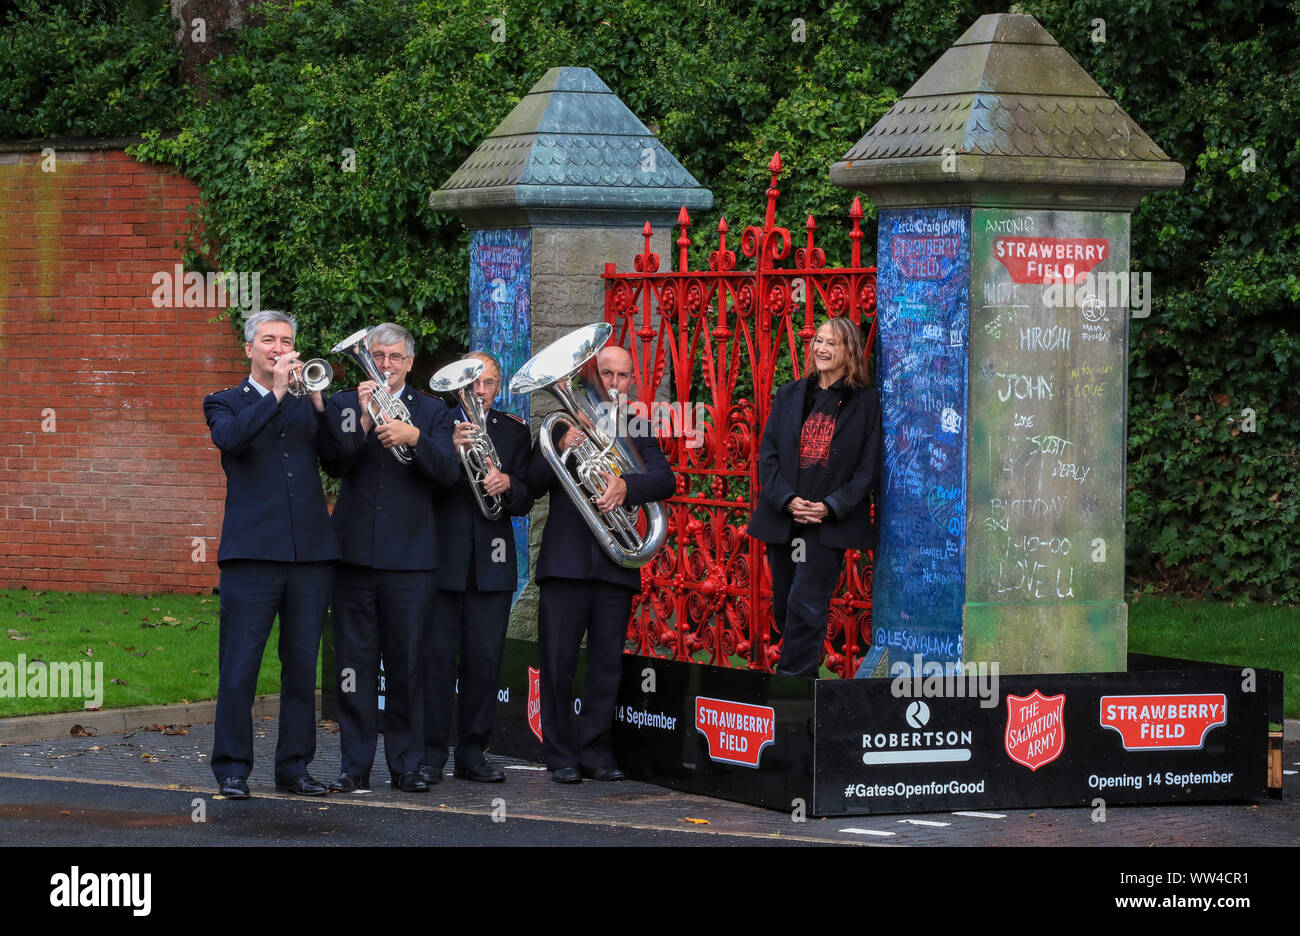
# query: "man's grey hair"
[257,319]
[391,333]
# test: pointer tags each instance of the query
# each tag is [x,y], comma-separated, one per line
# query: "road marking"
[442,808]
[522,767]
[926,822]
[982,815]
[866,832]
[1288,772]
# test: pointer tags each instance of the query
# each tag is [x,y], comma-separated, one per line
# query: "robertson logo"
[1035,728]
[737,731]
[1041,259]
[1164,722]
[535,701]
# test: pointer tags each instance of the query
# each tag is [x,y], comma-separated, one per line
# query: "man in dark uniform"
[476,580]
[583,590]
[275,557]
[384,595]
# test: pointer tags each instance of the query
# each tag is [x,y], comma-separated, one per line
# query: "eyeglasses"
[487,383]
[380,358]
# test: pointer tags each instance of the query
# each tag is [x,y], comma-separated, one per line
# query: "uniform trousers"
[380,612]
[462,673]
[252,594]
[568,609]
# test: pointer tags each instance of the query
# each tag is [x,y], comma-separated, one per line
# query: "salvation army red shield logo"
[1035,728]
[535,701]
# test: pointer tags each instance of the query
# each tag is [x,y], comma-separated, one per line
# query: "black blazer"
[275,508]
[854,464]
[568,549]
[464,534]
[384,518]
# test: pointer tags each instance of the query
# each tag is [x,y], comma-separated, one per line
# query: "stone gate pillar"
[564,183]
[1005,179]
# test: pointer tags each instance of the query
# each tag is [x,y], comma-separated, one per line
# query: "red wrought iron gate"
[715,342]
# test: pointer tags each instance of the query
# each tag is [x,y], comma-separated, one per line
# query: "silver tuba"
[383,406]
[310,376]
[458,380]
[559,368]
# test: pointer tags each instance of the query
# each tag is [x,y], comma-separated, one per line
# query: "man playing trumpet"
[476,579]
[384,593]
[276,553]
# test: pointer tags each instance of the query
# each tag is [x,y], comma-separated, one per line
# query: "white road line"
[1288,772]
[926,822]
[522,767]
[866,832]
[982,815]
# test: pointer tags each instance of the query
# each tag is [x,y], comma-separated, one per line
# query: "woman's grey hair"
[391,333]
[261,318]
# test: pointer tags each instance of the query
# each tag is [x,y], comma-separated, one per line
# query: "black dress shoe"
[430,774]
[234,788]
[304,785]
[410,782]
[603,773]
[350,783]
[566,775]
[481,773]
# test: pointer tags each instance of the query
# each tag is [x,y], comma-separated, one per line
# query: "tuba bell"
[457,380]
[559,368]
[383,406]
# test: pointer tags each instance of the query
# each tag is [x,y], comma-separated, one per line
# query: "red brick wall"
[113,498]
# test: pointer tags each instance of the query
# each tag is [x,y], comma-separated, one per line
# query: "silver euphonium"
[383,406]
[559,368]
[458,379]
[310,376]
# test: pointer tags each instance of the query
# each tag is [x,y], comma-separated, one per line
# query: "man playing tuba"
[582,591]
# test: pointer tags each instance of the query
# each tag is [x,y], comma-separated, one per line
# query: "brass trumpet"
[457,380]
[310,376]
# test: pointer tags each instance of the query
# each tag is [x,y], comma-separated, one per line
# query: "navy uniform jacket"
[463,531]
[568,549]
[384,518]
[854,466]
[275,508]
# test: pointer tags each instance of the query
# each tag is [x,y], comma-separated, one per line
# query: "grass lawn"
[163,648]
[1260,635]
[155,648]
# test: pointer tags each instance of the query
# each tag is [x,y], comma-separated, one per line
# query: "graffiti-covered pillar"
[565,183]
[1005,179]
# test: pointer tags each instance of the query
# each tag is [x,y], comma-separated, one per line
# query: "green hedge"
[413,87]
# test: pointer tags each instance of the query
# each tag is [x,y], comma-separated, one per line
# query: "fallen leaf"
[64,812]
[168,619]
[696,821]
[118,682]
[89,651]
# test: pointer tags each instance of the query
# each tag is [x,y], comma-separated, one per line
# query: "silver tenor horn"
[383,406]
[457,380]
[560,367]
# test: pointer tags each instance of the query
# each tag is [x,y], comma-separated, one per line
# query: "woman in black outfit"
[818,463]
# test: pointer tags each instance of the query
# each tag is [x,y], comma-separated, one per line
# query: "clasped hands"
[805,511]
